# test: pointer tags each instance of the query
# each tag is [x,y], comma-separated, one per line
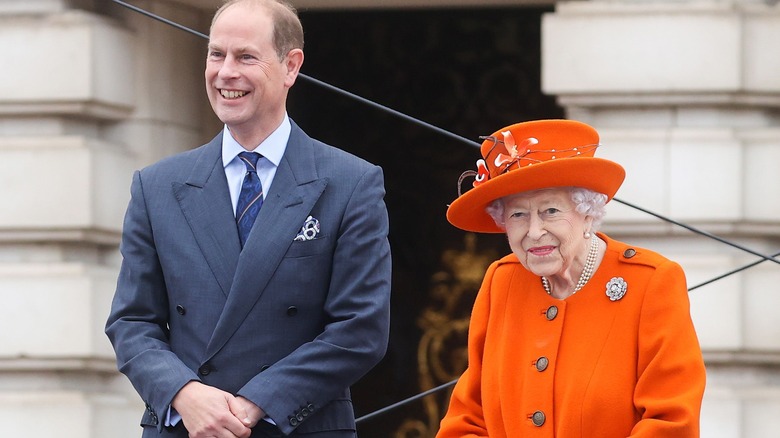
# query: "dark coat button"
[152,415]
[551,313]
[630,252]
[292,311]
[310,407]
[264,367]
[180,309]
[205,370]
[538,418]
[541,364]
[294,421]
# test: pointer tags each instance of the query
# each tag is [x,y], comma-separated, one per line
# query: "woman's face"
[546,232]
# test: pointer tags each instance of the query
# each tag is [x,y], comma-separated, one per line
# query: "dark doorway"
[468,71]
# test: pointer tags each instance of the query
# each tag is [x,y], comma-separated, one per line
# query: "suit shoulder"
[180,165]
[326,158]
[344,169]
[337,155]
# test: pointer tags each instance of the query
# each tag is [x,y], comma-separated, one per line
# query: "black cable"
[720,277]
[698,231]
[390,110]
[159,18]
[406,401]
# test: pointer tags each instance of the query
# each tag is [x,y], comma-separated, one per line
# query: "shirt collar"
[272,148]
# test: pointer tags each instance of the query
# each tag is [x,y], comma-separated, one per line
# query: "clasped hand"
[210,412]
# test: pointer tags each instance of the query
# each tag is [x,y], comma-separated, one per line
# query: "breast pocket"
[305,270]
[308,248]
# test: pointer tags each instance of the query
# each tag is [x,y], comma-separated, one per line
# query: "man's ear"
[293,62]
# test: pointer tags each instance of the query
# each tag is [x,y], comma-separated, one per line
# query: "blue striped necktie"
[251,198]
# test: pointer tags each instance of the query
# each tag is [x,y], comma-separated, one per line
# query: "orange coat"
[596,369]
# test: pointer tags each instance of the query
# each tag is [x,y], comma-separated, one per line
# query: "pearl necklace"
[587,270]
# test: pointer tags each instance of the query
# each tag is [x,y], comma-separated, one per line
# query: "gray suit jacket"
[288,324]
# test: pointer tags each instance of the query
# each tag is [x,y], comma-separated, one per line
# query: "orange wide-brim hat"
[531,156]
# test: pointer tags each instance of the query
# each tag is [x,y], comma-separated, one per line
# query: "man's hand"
[210,412]
[248,412]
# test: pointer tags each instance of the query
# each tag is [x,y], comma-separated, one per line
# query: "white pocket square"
[309,230]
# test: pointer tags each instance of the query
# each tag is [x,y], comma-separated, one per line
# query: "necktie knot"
[250,160]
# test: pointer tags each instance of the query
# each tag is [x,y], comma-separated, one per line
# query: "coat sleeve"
[671,374]
[138,322]
[465,417]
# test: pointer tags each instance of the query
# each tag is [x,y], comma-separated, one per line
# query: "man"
[229,330]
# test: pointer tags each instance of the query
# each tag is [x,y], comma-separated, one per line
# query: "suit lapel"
[295,190]
[205,202]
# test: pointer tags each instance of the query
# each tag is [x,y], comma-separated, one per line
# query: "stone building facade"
[89,91]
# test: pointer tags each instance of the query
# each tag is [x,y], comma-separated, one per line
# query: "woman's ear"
[588,231]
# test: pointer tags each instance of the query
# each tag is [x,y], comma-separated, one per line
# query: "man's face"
[246,82]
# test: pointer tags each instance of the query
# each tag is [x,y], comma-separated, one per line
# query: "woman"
[573,334]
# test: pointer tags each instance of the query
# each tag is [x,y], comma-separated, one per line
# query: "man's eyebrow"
[239,49]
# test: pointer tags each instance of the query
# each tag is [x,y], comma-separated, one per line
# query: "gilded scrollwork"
[442,353]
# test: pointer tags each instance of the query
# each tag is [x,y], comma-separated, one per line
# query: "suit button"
[294,421]
[630,252]
[538,418]
[310,407]
[152,415]
[551,313]
[180,309]
[292,311]
[205,370]
[264,367]
[541,364]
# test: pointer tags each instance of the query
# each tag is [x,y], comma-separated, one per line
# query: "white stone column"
[686,96]
[85,98]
